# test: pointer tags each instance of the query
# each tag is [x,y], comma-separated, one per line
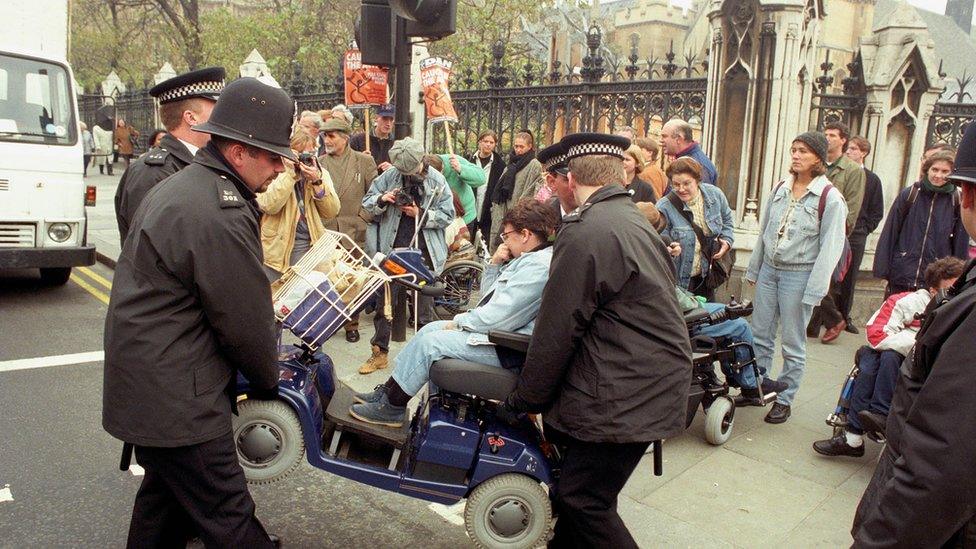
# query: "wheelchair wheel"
[269,440]
[718,421]
[462,288]
[508,511]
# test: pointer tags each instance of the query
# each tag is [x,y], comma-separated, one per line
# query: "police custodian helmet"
[255,114]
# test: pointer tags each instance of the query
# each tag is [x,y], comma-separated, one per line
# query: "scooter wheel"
[269,440]
[718,421]
[508,511]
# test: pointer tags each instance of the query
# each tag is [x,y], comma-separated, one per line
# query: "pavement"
[765,487]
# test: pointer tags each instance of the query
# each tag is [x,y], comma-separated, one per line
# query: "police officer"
[553,159]
[923,493]
[190,309]
[184,101]
[610,361]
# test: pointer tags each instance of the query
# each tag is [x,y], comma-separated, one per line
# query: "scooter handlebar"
[426,290]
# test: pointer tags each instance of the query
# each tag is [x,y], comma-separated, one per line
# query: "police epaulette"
[229,198]
[156,157]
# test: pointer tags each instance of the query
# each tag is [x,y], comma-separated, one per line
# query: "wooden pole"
[447,133]
[366,123]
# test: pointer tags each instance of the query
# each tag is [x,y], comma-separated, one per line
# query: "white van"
[42,194]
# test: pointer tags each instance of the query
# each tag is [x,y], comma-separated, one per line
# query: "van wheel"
[508,511]
[269,440]
[718,421]
[55,276]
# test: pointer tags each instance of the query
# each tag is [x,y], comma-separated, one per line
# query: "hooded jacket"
[930,229]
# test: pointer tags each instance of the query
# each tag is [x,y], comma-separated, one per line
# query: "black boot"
[837,446]
[110,169]
[101,169]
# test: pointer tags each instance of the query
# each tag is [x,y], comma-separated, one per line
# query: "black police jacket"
[143,174]
[610,358]
[923,493]
[190,307]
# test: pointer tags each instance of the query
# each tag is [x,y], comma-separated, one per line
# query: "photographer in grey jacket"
[411,205]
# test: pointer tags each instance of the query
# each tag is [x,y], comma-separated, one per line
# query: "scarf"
[506,183]
[948,188]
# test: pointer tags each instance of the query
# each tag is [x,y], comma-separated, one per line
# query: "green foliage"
[135,37]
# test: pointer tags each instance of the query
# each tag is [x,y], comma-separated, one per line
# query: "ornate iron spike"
[670,68]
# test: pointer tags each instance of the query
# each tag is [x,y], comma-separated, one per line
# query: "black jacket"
[931,229]
[190,307]
[379,148]
[872,207]
[923,493]
[497,167]
[610,359]
[143,174]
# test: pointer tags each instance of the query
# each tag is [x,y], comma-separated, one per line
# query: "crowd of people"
[597,248]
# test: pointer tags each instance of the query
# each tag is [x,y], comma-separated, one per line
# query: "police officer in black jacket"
[190,309]
[923,493]
[610,361]
[184,101]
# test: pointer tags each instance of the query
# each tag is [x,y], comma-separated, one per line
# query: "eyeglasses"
[506,233]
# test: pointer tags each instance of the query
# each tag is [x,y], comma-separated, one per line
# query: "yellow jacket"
[280,208]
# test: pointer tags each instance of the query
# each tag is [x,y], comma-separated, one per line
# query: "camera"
[411,192]
[307,158]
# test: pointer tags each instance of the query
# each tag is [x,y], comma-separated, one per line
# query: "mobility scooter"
[453,448]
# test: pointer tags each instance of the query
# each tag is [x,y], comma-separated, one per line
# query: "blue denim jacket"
[718,217]
[387,217]
[809,243]
[709,174]
[515,296]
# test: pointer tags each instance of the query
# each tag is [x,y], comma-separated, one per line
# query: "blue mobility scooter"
[453,448]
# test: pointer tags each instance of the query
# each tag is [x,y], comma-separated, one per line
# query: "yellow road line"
[96,277]
[90,289]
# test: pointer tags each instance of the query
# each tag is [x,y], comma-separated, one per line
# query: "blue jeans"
[431,343]
[874,386]
[779,304]
[736,331]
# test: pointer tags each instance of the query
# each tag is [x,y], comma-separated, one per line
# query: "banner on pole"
[434,74]
[364,84]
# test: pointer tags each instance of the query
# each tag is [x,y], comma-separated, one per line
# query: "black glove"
[263,394]
[507,414]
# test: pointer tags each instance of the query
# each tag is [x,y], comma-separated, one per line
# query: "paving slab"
[738,499]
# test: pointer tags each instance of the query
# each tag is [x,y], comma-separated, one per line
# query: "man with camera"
[351,172]
[295,208]
[410,206]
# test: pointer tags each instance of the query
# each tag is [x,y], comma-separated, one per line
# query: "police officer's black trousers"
[196,490]
[592,475]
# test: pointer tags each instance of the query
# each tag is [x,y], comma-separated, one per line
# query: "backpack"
[844,265]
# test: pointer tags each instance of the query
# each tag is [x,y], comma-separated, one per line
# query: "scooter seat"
[472,378]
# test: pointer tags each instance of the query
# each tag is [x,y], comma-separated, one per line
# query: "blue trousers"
[431,343]
[874,385]
[736,331]
[779,306]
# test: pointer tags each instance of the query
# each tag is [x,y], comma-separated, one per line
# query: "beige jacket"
[527,183]
[352,173]
[280,208]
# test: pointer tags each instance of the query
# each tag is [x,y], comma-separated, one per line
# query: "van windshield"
[35,102]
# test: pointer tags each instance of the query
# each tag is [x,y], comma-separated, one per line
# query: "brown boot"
[376,362]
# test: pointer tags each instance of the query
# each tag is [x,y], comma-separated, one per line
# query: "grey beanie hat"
[816,141]
[406,155]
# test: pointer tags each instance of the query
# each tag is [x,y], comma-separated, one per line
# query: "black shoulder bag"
[719,270]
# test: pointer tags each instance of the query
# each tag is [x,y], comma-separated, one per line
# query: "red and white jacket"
[894,327]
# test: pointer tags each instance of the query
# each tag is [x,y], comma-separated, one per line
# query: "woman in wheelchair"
[891,335]
[512,291]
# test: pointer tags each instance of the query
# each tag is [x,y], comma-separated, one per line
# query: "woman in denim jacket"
[793,262]
[512,287]
[708,207]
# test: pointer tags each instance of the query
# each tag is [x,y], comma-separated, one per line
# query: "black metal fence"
[950,118]
[601,95]
[847,106]
[136,107]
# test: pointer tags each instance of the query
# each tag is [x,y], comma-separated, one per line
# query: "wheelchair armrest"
[510,340]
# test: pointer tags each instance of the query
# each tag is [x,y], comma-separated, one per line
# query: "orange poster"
[434,74]
[364,84]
